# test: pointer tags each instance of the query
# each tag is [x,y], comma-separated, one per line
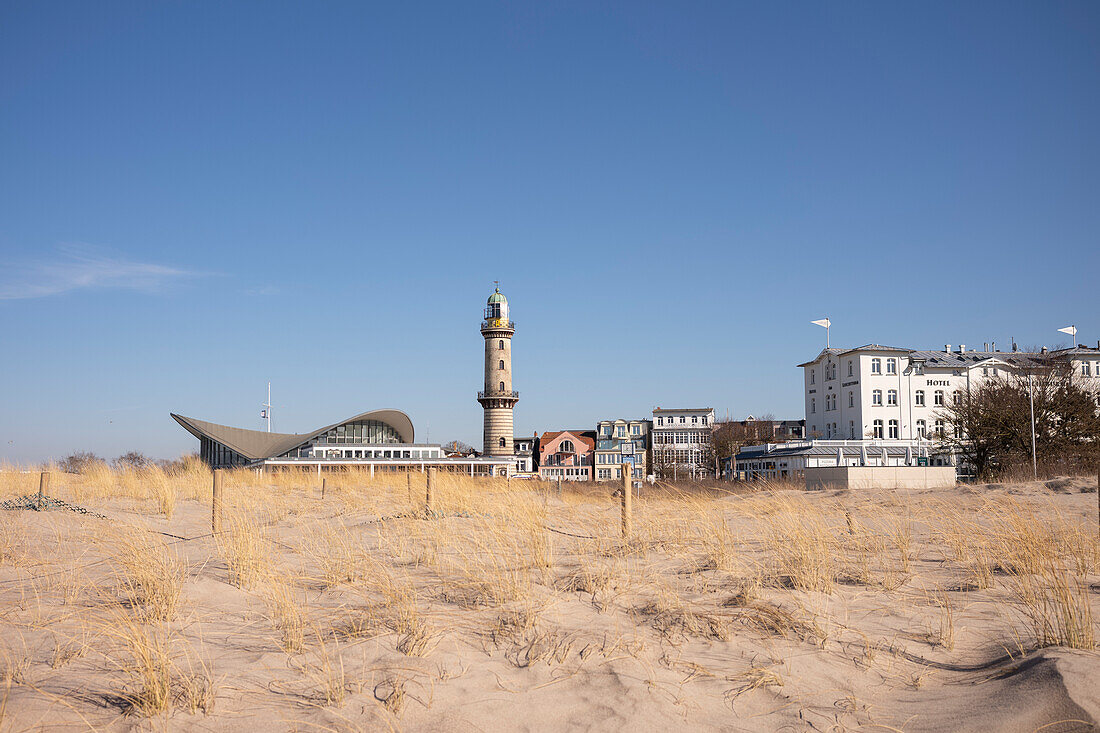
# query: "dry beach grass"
[511,607]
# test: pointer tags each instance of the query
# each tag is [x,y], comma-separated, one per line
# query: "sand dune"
[963,610]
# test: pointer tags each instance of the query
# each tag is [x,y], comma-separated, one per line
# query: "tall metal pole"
[1031,396]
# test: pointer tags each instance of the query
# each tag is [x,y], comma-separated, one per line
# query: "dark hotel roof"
[258,444]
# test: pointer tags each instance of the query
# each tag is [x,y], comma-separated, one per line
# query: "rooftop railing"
[497,393]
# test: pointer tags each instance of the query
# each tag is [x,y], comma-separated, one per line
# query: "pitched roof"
[258,444]
[587,437]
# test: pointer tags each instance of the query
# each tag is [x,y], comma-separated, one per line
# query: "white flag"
[1071,330]
[824,323]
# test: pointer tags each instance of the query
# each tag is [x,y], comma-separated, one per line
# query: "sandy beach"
[510,607]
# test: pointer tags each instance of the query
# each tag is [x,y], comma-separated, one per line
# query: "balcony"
[497,394]
[497,323]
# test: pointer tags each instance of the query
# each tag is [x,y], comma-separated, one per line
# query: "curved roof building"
[369,439]
[222,445]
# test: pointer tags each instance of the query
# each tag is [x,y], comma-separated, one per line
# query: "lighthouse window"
[501,364]
[500,345]
[502,386]
[502,442]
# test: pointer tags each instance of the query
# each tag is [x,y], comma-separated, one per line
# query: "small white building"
[778,461]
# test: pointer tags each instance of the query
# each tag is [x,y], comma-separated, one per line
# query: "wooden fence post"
[628,485]
[216,503]
[409,482]
[43,484]
[429,498]
[323,488]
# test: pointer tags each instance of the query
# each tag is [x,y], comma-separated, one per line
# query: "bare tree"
[132,459]
[990,425]
[79,462]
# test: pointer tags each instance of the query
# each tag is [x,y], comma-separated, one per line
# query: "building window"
[877,429]
[937,398]
[635,429]
[891,366]
[683,419]
[894,429]
[922,429]
[694,419]
[502,442]
[660,421]
[620,432]
[502,386]
[876,398]
[501,364]
[939,428]
[813,406]
[876,366]
[956,397]
[566,446]
[918,398]
[851,399]
[812,375]
[1085,366]
[892,397]
[500,345]
[852,429]
[849,367]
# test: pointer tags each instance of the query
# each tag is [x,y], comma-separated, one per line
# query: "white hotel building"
[887,393]
[882,405]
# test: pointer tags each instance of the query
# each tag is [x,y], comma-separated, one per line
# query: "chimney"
[962,348]
[986,345]
[994,346]
[947,348]
[1043,350]
[1014,346]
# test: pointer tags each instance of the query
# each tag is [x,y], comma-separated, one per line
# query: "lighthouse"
[498,399]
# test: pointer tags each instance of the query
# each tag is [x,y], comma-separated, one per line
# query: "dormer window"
[566,446]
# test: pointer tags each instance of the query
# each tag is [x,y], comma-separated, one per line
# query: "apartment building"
[681,442]
[619,442]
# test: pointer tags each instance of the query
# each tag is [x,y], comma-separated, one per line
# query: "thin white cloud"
[80,268]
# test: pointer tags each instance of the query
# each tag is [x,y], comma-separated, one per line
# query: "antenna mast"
[266,412]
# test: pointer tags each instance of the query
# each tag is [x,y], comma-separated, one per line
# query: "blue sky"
[196,198]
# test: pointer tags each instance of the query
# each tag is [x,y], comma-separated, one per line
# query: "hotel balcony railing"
[496,393]
[509,324]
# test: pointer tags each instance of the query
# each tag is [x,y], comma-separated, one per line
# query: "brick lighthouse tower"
[498,399]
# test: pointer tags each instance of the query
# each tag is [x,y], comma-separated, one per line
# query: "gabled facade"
[566,455]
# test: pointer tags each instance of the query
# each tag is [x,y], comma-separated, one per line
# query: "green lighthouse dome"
[497,297]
